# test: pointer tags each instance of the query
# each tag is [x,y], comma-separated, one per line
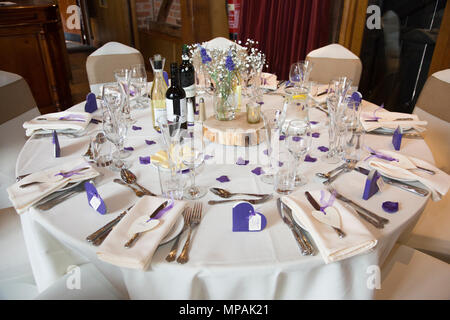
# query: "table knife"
[399,184]
[404,135]
[136,236]
[316,206]
[107,227]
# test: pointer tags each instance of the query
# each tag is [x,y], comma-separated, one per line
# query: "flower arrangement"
[227,68]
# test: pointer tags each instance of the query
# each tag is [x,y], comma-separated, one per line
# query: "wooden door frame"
[441,58]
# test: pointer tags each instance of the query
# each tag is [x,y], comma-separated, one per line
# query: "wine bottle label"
[176,107]
[160,113]
[190,111]
[190,91]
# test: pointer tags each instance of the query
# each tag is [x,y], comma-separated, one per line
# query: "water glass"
[353,143]
[298,143]
[115,129]
[172,183]
[101,150]
[284,182]
[299,75]
[138,85]
[123,78]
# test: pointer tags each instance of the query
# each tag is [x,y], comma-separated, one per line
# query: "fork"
[194,221]
[349,167]
[187,214]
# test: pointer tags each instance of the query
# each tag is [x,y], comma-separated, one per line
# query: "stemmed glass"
[299,75]
[123,78]
[138,85]
[298,143]
[115,128]
[112,97]
[192,154]
[171,130]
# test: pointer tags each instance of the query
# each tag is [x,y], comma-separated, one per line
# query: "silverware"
[425,169]
[47,205]
[330,173]
[36,182]
[130,178]
[402,185]
[194,221]
[106,229]
[349,165]
[252,201]
[316,206]
[173,251]
[227,194]
[137,235]
[138,193]
[404,135]
[369,215]
[399,119]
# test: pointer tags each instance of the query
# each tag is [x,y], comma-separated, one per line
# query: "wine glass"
[192,154]
[115,129]
[138,85]
[298,76]
[112,96]
[170,130]
[123,78]
[298,142]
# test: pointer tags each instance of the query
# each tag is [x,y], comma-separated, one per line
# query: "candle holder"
[253,112]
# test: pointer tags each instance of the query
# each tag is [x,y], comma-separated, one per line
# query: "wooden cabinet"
[32,45]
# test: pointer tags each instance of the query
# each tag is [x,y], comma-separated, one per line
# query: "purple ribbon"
[163,211]
[325,204]
[68,174]
[374,116]
[380,155]
[73,117]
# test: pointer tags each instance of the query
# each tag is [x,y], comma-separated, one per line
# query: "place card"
[246,219]
[91,103]
[329,216]
[94,199]
[397,138]
[374,183]
[57,149]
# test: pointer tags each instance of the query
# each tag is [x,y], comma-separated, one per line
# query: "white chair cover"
[219,43]
[334,61]
[409,274]
[431,233]
[100,65]
[17,105]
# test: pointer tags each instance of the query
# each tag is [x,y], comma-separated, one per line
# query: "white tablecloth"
[223,264]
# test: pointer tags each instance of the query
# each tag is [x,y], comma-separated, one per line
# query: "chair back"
[334,61]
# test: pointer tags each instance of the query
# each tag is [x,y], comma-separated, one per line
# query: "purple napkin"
[94,199]
[57,149]
[91,103]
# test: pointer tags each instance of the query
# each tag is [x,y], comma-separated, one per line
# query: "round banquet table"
[223,264]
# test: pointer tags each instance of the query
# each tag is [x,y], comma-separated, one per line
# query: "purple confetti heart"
[308,158]
[280,164]
[223,179]
[136,128]
[316,135]
[282,137]
[128,148]
[144,160]
[296,139]
[258,171]
[242,162]
[390,207]
[150,142]
[323,149]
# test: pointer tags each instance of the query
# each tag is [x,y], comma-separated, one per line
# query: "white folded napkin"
[388,120]
[268,81]
[140,254]
[358,238]
[65,120]
[438,183]
[24,198]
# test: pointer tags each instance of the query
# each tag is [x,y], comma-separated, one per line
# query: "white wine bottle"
[159,89]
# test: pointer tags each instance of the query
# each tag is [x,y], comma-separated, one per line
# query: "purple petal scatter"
[258,171]
[208,156]
[135,128]
[128,148]
[315,135]
[280,164]
[323,149]
[241,162]
[282,137]
[308,158]
[296,139]
[390,207]
[223,179]
[150,142]
[144,160]
[266,152]
[314,122]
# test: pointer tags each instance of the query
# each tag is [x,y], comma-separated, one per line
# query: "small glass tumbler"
[253,112]
[285,175]
[101,150]
[171,183]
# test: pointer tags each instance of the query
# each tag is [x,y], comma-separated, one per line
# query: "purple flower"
[315,135]
[308,158]
[241,162]
[150,142]
[223,179]
[204,54]
[229,64]
[136,128]
[323,149]
[144,160]
[258,171]
[390,207]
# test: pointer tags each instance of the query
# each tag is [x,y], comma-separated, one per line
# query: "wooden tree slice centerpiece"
[234,132]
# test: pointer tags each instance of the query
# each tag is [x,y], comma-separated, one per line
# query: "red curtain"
[286,30]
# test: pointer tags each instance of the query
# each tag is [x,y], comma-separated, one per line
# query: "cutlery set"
[227,194]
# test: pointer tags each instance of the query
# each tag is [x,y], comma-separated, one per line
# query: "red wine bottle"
[176,97]
[187,80]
